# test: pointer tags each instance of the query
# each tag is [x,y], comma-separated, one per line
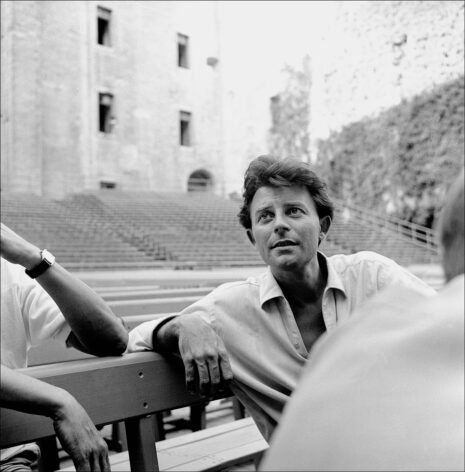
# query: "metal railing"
[420,236]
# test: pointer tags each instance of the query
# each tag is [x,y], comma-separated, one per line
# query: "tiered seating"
[193,228]
[199,228]
[359,230]
[79,237]
[115,229]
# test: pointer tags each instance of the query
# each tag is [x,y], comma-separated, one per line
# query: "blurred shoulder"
[359,259]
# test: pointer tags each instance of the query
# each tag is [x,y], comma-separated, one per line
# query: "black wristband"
[157,328]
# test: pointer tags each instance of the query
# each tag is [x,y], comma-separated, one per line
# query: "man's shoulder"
[360,259]
[233,297]
[238,287]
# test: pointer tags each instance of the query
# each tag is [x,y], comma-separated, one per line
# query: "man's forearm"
[23,393]
[95,326]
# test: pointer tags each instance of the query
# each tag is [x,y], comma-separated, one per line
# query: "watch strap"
[40,268]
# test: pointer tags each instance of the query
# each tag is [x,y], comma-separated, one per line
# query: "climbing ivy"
[401,162]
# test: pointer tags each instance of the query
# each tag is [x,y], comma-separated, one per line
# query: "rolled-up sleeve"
[141,337]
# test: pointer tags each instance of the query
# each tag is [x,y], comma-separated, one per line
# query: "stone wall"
[50,93]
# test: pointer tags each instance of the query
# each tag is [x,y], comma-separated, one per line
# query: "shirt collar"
[269,288]
[334,279]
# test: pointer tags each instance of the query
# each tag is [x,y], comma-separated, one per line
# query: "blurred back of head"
[451,230]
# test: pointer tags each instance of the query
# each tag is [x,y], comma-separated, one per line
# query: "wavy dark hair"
[269,171]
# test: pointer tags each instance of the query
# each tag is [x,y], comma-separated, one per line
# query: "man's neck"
[305,286]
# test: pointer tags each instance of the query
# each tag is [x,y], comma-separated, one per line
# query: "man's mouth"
[283,243]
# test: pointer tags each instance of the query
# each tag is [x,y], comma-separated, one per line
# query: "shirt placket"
[329,309]
[292,328]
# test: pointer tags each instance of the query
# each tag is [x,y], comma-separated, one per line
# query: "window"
[183,42]
[103,26]
[107,184]
[106,118]
[275,108]
[185,128]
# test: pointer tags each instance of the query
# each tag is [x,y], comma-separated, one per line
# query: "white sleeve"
[141,337]
[42,317]
[392,274]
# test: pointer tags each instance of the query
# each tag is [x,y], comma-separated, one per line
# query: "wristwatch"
[48,259]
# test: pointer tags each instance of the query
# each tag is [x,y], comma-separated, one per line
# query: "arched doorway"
[200,181]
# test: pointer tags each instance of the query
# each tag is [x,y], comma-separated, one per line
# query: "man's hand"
[80,439]
[17,250]
[202,351]
[75,430]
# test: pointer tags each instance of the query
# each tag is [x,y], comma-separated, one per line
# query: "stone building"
[110,94]
[173,95]
[377,54]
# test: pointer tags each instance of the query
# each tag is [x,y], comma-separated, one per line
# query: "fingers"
[190,370]
[102,462]
[204,356]
[204,378]
[82,465]
[95,460]
[207,377]
[226,370]
[105,462]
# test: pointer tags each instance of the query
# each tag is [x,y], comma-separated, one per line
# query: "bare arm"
[75,430]
[95,329]
[203,352]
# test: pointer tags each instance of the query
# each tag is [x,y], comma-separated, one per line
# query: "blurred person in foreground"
[41,303]
[256,334]
[386,390]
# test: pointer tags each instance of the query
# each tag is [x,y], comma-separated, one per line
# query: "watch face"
[48,257]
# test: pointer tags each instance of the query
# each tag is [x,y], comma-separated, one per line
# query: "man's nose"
[280,224]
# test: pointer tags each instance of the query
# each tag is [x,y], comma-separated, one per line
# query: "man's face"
[285,227]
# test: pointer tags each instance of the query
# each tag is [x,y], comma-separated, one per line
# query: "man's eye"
[295,211]
[265,216]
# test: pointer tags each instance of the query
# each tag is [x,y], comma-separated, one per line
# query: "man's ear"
[250,236]
[325,223]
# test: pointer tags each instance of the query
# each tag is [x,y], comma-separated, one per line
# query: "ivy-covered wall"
[402,162]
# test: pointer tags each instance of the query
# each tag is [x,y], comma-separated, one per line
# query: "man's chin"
[284,263]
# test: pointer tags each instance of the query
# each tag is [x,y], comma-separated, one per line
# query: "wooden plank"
[209,450]
[53,351]
[212,449]
[110,389]
[150,305]
[141,444]
[134,292]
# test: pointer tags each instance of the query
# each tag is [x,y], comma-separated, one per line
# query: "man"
[40,303]
[258,333]
[386,391]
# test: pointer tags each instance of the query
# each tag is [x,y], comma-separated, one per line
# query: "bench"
[141,385]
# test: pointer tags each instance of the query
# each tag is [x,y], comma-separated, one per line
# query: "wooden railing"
[111,389]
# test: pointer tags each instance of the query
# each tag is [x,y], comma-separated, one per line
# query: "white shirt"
[28,316]
[261,336]
[383,392]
